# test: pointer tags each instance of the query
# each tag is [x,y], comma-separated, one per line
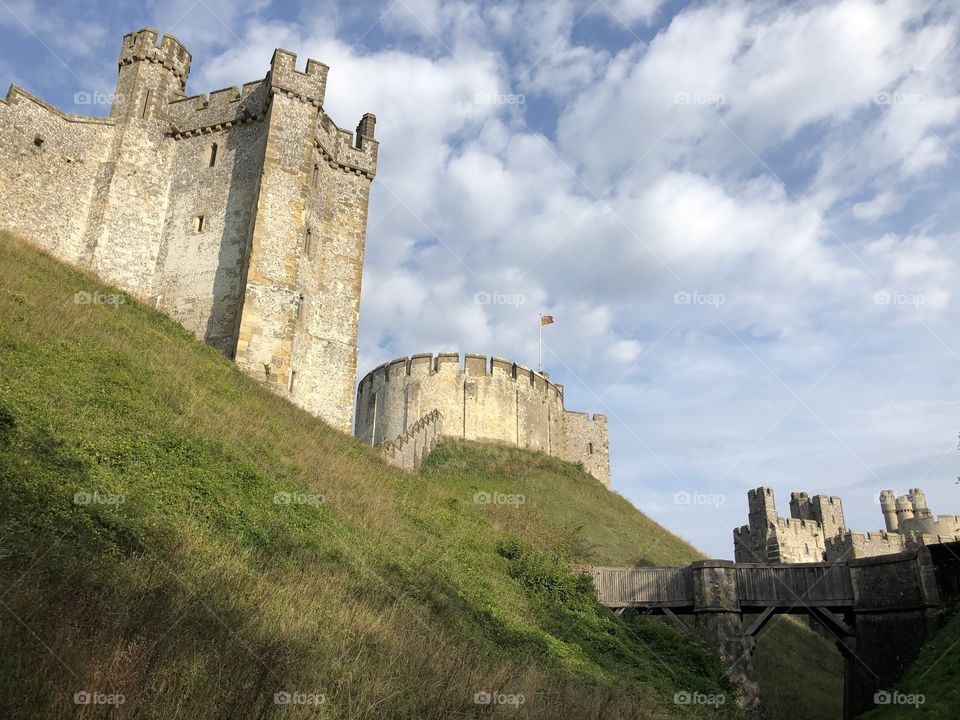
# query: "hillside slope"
[930,688]
[176,536]
[793,664]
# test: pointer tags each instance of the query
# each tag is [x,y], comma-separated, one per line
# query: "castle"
[241,214]
[482,399]
[816,530]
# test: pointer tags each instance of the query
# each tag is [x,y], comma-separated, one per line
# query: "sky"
[742,214]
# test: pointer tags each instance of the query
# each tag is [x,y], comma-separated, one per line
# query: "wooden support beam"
[674,618]
[830,621]
[762,619]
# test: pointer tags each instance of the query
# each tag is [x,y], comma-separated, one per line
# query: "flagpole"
[540,357]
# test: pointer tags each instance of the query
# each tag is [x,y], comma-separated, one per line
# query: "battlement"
[309,86]
[337,147]
[817,523]
[142,46]
[596,417]
[798,526]
[760,493]
[219,110]
[423,365]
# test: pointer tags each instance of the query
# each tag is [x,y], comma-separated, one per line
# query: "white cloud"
[789,161]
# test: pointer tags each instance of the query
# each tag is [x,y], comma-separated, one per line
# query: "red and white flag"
[546,319]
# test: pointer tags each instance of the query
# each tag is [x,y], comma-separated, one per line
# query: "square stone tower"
[242,214]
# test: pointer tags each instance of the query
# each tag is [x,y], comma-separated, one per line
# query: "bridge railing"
[797,584]
[647,587]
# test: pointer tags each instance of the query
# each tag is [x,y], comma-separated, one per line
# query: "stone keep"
[241,214]
[483,399]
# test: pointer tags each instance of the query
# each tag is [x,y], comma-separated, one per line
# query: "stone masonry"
[241,214]
[816,532]
[483,399]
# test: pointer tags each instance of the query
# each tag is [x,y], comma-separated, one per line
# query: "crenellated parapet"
[816,530]
[338,148]
[309,86]
[481,398]
[469,365]
[142,46]
[220,110]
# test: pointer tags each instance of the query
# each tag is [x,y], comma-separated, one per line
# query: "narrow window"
[213,155]
[146,104]
[198,223]
[307,241]
[589,448]
[299,311]
[292,380]
[315,177]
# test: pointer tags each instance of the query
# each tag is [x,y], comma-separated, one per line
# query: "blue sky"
[743,215]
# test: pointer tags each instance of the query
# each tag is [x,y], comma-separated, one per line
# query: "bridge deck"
[758,586]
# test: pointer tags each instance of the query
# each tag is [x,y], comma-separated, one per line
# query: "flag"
[546,319]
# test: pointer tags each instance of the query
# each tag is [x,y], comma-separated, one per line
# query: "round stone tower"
[888,506]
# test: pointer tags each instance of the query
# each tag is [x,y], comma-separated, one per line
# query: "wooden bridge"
[879,611]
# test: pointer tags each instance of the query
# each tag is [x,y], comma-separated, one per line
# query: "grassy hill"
[175,535]
[930,689]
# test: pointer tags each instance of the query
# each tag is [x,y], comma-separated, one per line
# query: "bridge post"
[896,610]
[716,608]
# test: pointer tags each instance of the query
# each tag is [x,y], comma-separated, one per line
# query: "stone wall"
[413,445]
[202,206]
[42,150]
[482,399]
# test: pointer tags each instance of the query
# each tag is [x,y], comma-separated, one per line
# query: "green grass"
[934,675]
[793,664]
[201,596]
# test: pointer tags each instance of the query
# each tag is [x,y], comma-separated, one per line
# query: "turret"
[763,509]
[828,511]
[800,506]
[309,86]
[151,75]
[904,510]
[888,506]
[919,502]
